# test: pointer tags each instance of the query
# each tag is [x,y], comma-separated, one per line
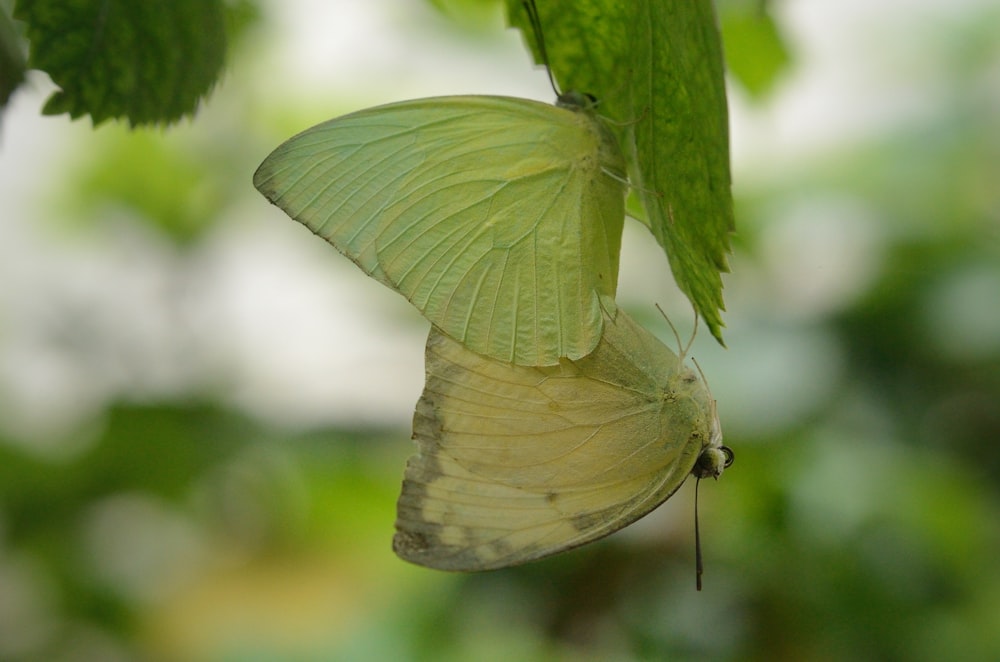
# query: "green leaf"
[657,69]
[148,62]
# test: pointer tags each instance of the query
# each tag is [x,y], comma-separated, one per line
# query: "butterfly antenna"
[701,372]
[682,349]
[536,26]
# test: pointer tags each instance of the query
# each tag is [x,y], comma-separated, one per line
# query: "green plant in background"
[12,59]
[862,523]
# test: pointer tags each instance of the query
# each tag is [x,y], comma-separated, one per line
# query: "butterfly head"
[714,458]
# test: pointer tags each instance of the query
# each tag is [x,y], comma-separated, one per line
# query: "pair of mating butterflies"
[549,418]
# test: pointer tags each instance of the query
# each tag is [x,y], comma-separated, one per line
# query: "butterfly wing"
[515,463]
[500,219]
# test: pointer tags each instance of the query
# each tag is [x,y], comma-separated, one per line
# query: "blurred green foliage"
[755,52]
[864,526]
[177,195]
[12,58]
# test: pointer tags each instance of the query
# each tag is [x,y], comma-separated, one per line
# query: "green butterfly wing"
[500,219]
[515,463]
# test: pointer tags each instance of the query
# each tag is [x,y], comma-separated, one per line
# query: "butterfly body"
[500,219]
[515,463]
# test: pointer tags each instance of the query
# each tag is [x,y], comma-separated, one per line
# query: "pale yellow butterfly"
[500,219]
[515,463]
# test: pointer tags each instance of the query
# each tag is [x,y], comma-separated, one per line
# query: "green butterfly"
[500,219]
[515,463]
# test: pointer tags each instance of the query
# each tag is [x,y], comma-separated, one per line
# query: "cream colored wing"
[515,463]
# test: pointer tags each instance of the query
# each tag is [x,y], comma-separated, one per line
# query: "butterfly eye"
[730,456]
